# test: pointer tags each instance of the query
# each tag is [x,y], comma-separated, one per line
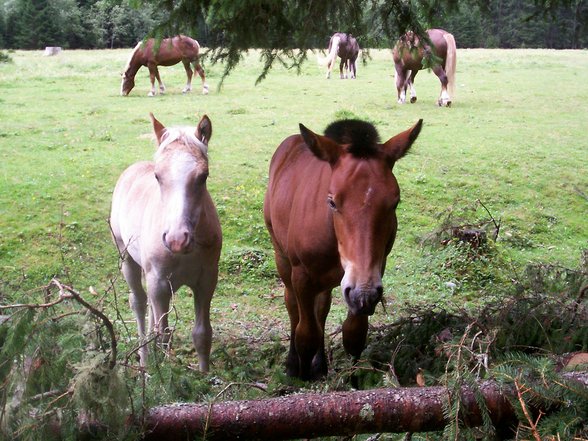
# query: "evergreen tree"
[36,25]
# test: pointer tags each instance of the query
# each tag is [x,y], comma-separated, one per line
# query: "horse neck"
[135,62]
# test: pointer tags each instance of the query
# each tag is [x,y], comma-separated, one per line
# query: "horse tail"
[333,50]
[450,62]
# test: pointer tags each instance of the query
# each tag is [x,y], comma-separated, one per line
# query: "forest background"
[95,24]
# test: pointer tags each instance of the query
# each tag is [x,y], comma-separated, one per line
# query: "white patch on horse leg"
[444,100]
[402,97]
[204,89]
[413,95]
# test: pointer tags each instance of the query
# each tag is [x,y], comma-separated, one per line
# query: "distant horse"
[346,47]
[170,51]
[409,54]
[166,227]
[330,209]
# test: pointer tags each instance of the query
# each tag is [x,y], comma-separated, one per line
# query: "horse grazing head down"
[362,196]
[127,84]
[181,171]
[330,209]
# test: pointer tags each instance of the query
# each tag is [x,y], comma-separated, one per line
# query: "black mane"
[362,137]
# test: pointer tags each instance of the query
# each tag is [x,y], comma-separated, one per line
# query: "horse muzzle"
[362,300]
[181,243]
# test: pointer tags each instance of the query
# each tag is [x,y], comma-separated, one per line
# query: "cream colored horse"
[166,227]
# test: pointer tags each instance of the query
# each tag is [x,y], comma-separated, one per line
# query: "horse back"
[132,194]
[169,52]
[295,208]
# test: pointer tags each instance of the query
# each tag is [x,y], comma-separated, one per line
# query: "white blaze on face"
[178,196]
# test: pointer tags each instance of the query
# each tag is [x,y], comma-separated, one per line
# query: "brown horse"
[330,211]
[409,54]
[170,51]
[166,228]
[346,47]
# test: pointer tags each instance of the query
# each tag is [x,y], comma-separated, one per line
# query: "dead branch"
[64,290]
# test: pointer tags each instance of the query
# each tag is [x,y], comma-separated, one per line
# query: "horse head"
[181,171]
[362,199]
[127,84]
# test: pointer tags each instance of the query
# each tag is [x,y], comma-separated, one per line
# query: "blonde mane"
[128,66]
[185,136]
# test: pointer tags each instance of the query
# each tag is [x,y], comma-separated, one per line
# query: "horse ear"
[158,128]
[323,148]
[204,130]
[397,146]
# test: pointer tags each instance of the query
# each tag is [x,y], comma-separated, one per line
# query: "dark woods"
[89,24]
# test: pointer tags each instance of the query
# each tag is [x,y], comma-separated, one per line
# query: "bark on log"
[414,409]
[333,414]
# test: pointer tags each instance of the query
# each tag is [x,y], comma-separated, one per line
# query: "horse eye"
[331,203]
[156,177]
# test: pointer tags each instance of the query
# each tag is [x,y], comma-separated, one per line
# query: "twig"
[496,225]
[532,425]
[580,192]
[64,289]
[62,297]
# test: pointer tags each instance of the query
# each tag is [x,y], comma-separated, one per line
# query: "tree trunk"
[417,409]
[404,409]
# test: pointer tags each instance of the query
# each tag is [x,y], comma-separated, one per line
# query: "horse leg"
[319,363]
[353,68]
[292,361]
[413,95]
[153,75]
[444,98]
[189,73]
[202,331]
[308,333]
[342,64]
[355,329]
[159,291]
[198,68]
[401,78]
[137,301]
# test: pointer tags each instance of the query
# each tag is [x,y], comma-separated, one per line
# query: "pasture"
[514,139]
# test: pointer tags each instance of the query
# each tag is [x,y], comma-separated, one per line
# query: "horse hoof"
[413,99]
[150,94]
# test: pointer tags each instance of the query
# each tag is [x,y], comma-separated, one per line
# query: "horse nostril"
[347,291]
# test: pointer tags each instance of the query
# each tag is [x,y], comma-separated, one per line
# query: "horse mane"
[362,137]
[129,61]
[185,136]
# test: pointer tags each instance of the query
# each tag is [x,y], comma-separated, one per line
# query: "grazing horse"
[346,47]
[330,209]
[409,54]
[170,51]
[166,227]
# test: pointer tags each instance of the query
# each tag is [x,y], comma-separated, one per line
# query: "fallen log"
[405,409]
[333,414]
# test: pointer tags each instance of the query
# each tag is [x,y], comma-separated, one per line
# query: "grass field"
[514,139]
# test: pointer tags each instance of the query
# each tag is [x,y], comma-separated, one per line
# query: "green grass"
[514,139]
